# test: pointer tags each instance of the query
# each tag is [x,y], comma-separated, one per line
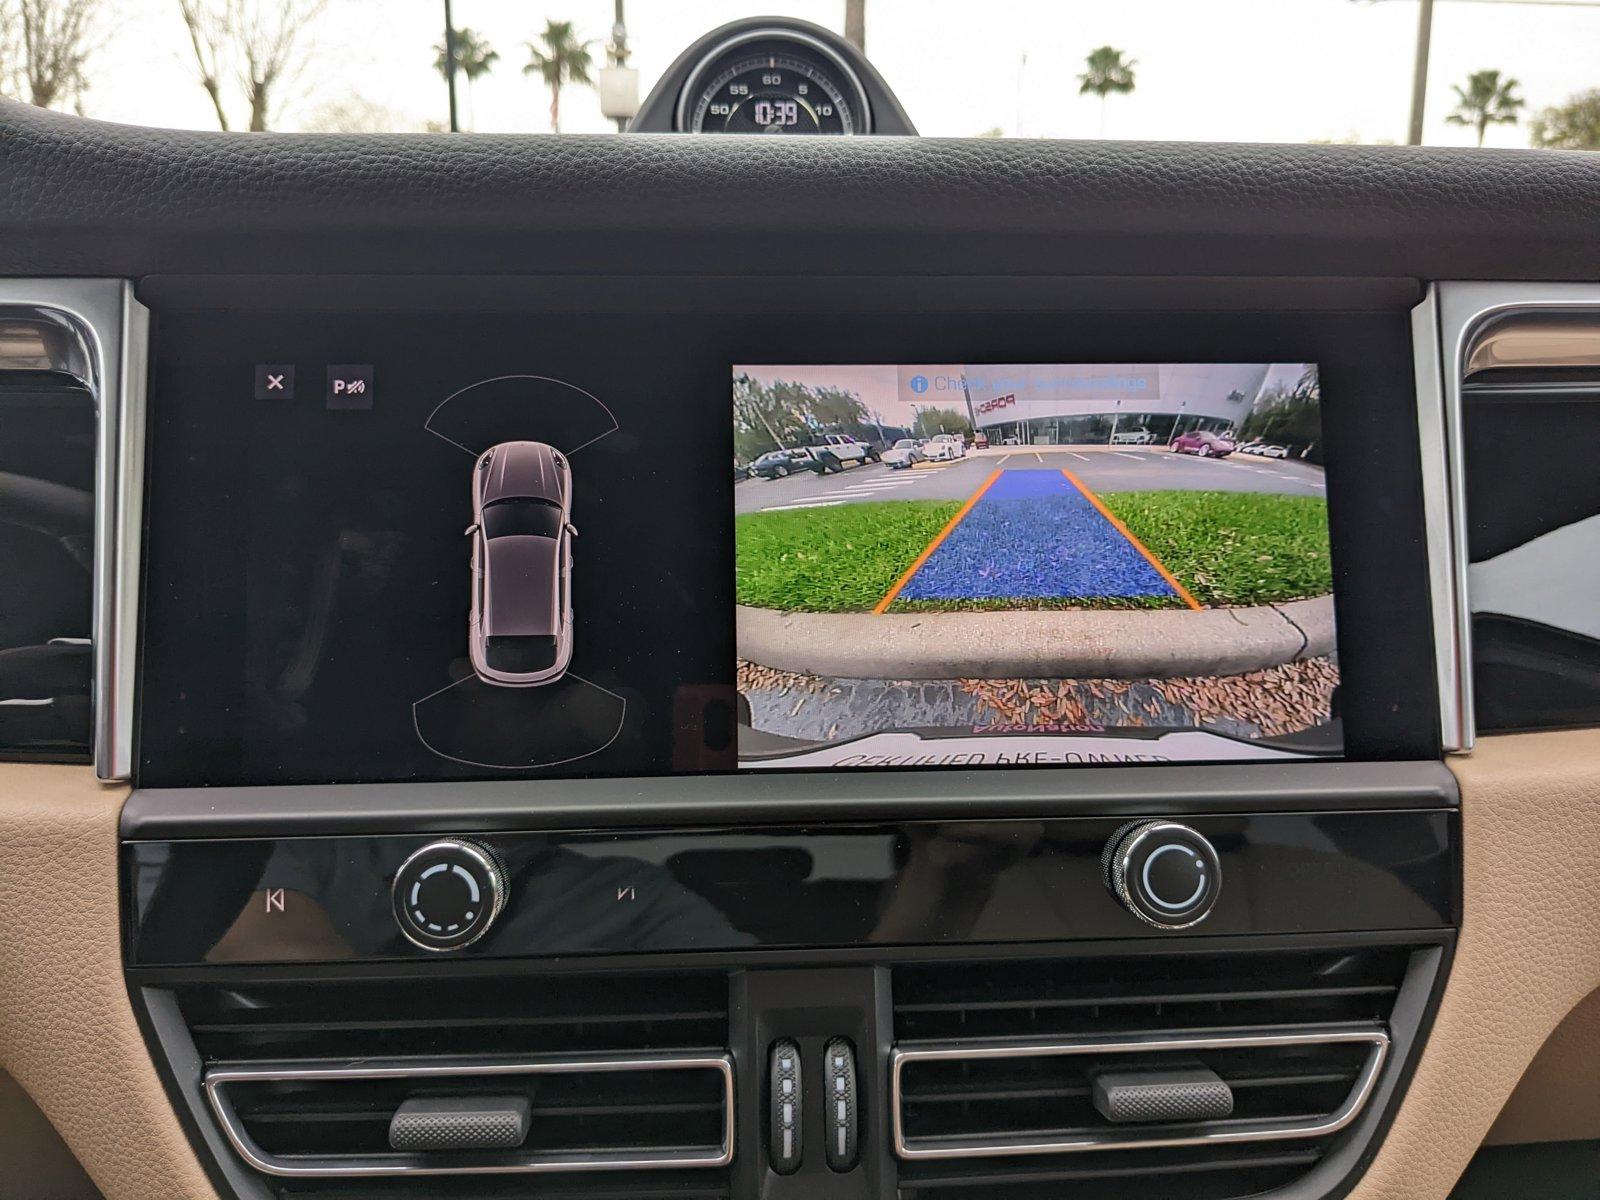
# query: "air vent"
[625,1077]
[1530,414]
[995,1066]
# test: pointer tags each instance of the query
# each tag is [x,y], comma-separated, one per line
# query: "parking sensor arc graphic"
[613,425]
[527,760]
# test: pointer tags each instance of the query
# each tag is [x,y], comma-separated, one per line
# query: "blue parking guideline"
[1034,535]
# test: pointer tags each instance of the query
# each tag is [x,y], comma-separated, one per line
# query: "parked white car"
[944,447]
[904,453]
[835,451]
[1264,450]
[1133,437]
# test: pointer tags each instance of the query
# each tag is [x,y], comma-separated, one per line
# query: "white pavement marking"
[1139,458]
[803,504]
[1003,463]
[1075,454]
[1039,456]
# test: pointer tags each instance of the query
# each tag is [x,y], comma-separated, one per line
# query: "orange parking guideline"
[1161,567]
[883,605]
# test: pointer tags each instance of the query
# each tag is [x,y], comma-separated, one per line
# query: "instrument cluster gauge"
[773,81]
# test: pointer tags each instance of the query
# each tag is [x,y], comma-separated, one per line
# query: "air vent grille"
[627,1080]
[980,1098]
[549,1014]
[1028,1000]
[996,1066]
[639,1113]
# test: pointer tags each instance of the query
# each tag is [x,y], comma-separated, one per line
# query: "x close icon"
[275,381]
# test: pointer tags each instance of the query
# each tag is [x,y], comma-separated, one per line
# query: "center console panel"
[380,949]
[540,895]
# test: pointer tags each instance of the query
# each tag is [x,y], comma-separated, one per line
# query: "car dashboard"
[375,858]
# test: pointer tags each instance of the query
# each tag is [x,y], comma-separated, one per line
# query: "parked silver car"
[520,631]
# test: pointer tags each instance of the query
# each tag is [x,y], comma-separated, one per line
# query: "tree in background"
[258,45]
[1574,125]
[354,113]
[560,60]
[1291,417]
[474,56]
[784,414]
[942,420]
[855,24]
[1108,72]
[10,52]
[1488,99]
[44,47]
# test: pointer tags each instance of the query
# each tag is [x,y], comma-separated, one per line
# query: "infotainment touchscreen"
[501,545]
[991,564]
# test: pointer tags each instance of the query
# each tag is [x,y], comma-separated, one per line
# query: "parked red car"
[1206,445]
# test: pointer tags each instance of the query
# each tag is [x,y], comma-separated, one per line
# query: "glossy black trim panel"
[1156,791]
[299,900]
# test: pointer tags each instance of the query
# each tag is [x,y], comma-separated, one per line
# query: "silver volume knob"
[1164,873]
[448,894]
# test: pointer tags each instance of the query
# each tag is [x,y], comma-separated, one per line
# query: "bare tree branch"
[206,37]
[257,45]
[55,38]
[10,50]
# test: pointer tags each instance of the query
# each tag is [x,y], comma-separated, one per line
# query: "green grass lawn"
[1227,548]
[1233,548]
[832,559]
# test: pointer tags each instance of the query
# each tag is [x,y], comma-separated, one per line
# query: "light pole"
[619,83]
[1419,74]
[450,65]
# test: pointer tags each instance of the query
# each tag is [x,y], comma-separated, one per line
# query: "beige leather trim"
[67,1032]
[35,1163]
[1558,1098]
[1529,951]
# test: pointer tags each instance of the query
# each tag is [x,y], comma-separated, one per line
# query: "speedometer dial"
[773,82]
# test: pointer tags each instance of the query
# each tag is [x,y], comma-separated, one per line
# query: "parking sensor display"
[975,564]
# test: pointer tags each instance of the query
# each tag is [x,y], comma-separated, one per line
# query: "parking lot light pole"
[1419,75]
[450,65]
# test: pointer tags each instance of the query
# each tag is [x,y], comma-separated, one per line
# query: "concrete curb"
[1063,644]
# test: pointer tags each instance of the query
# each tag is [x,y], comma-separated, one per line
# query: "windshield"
[1491,72]
[521,518]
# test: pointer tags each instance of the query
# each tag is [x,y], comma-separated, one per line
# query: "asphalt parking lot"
[1136,469]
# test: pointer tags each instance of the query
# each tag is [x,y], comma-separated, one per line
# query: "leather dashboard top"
[84,197]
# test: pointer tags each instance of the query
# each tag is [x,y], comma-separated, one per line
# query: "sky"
[1229,70]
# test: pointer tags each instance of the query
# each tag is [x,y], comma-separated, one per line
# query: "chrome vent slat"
[909,1146]
[622,1073]
[992,1069]
[630,1153]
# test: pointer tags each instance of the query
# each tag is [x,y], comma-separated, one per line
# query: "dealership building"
[1088,404]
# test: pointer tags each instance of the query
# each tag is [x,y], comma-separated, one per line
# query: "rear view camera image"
[970,565]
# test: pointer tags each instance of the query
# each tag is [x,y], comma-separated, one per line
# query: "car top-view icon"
[520,630]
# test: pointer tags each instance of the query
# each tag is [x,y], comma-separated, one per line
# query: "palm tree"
[474,56]
[1108,72]
[1488,99]
[561,60]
